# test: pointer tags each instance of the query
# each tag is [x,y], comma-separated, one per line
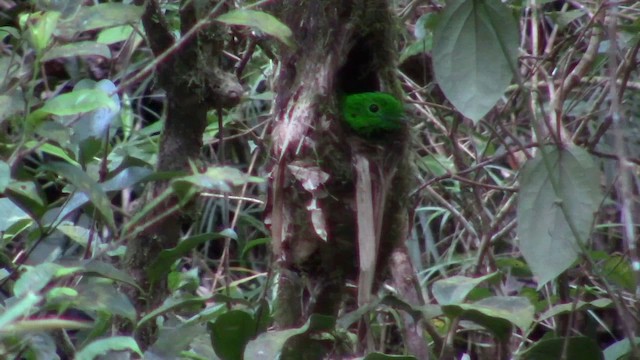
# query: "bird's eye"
[374,108]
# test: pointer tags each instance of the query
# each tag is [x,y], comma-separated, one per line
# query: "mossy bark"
[342,47]
[194,84]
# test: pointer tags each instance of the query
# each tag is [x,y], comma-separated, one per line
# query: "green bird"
[372,112]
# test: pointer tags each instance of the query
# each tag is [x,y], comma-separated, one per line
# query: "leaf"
[172,340]
[104,346]
[11,214]
[27,192]
[100,16]
[95,123]
[51,149]
[109,271]
[40,27]
[35,278]
[267,346]
[73,103]
[618,269]
[82,48]
[18,309]
[579,347]
[231,332]
[167,257]
[9,31]
[115,34]
[126,178]
[86,185]
[261,21]
[95,294]
[475,49]
[546,240]
[218,178]
[173,303]
[496,313]
[12,101]
[619,349]
[569,307]
[5,176]
[455,289]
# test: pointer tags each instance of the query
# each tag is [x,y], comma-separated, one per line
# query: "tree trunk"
[194,84]
[343,47]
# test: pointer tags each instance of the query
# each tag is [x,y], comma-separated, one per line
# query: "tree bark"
[343,47]
[194,84]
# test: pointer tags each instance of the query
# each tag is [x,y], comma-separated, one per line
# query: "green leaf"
[619,349]
[104,346]
[261,21]
[100,16]
[475,48]
[115,34]
[9,31]
[167,257]
[5,176]
[51,149]
[579,347]
[618,269]
[173,303]
[35,278]
[219,178]
[496,313]
[455,289]
[86,185]
[78,234]
[95,294]
[546,240]
[231,332]
[11,214]
[73,103]
[173,340]
[18,309]
[579,306]
[268,345]
[108,271]
[126,178]
[40,27]
[82,48]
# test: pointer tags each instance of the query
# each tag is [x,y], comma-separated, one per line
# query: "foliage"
[524,235]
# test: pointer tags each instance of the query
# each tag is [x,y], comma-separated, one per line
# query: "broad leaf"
[107,345]
[578,347]
[620,349]
[261,21]
[269,345]
[82,48]
[166,258]
[496,313]
[5,175]
[231,332]
[475,49]
[455,289]
[11,214]
[100,16]
[18,309]
[546,240]
[86,185]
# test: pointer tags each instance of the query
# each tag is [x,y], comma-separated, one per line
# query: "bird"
[372,113]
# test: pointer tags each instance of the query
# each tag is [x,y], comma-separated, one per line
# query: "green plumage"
[372,113]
